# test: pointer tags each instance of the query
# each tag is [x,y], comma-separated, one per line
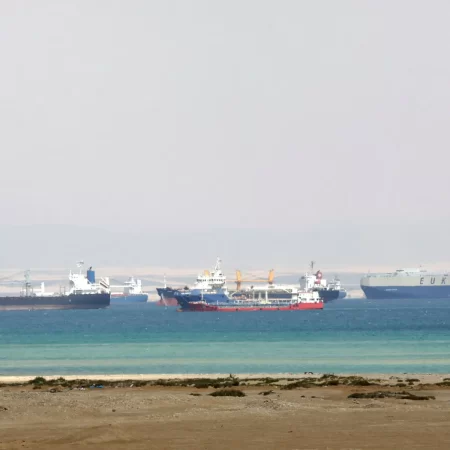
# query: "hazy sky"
[238,113]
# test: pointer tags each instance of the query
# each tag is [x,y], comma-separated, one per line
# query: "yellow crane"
[239,280]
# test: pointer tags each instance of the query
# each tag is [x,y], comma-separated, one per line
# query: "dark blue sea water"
[348,336]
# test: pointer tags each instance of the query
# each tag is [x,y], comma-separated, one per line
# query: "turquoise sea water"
[348,336]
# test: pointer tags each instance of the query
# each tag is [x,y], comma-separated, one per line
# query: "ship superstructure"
[207,281]
[132,293]
[315,281]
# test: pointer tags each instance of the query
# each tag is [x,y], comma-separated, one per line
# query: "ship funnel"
[91,276]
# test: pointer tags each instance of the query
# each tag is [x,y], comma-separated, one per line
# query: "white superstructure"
[80,283]
[211,281]
[130,287]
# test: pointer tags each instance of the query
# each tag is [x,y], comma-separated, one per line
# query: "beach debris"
[267,392]
[199,383]
[329,380]
[195,394]
[267,380]
[403,395]
[228,393]
[303,383]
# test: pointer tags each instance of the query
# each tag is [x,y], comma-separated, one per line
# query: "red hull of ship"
[167,302]
[214,308]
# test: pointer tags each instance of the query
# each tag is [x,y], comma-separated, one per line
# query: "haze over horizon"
[269,133]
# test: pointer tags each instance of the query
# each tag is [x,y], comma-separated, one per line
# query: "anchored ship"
[84,293]
[201,302]
[336,284]
[316,282]
[406,283]
[212,286]
[167,295]
[208,281]
[132,293]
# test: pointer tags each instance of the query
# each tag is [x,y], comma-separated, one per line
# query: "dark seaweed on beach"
[228,393]
[403,395]
[303,383]
[356,381]
[328,380]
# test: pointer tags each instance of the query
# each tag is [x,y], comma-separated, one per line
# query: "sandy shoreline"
[427,378]
[270,414]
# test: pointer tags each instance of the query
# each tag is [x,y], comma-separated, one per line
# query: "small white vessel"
[132,293]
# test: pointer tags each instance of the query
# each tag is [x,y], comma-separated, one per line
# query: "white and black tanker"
[83,293]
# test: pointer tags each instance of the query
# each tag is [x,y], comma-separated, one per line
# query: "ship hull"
[167,297]
[121,299]
[72,301]
[328,295]
[205,307]
[225,304]
[406,292]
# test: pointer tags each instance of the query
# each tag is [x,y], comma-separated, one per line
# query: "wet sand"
[159,417]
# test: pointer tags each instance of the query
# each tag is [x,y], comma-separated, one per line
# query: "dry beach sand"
[315,414]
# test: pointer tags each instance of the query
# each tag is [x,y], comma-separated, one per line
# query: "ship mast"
[27,283]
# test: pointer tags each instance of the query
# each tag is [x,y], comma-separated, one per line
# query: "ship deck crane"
[121,286]
[239,280]
[7,279]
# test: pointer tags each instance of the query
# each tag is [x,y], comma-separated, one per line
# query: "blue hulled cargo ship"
[407,284]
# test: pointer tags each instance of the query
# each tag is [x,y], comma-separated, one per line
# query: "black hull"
[72,301]
[328,295]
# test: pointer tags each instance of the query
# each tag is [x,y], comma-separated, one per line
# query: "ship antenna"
[80,265]
[165,282]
